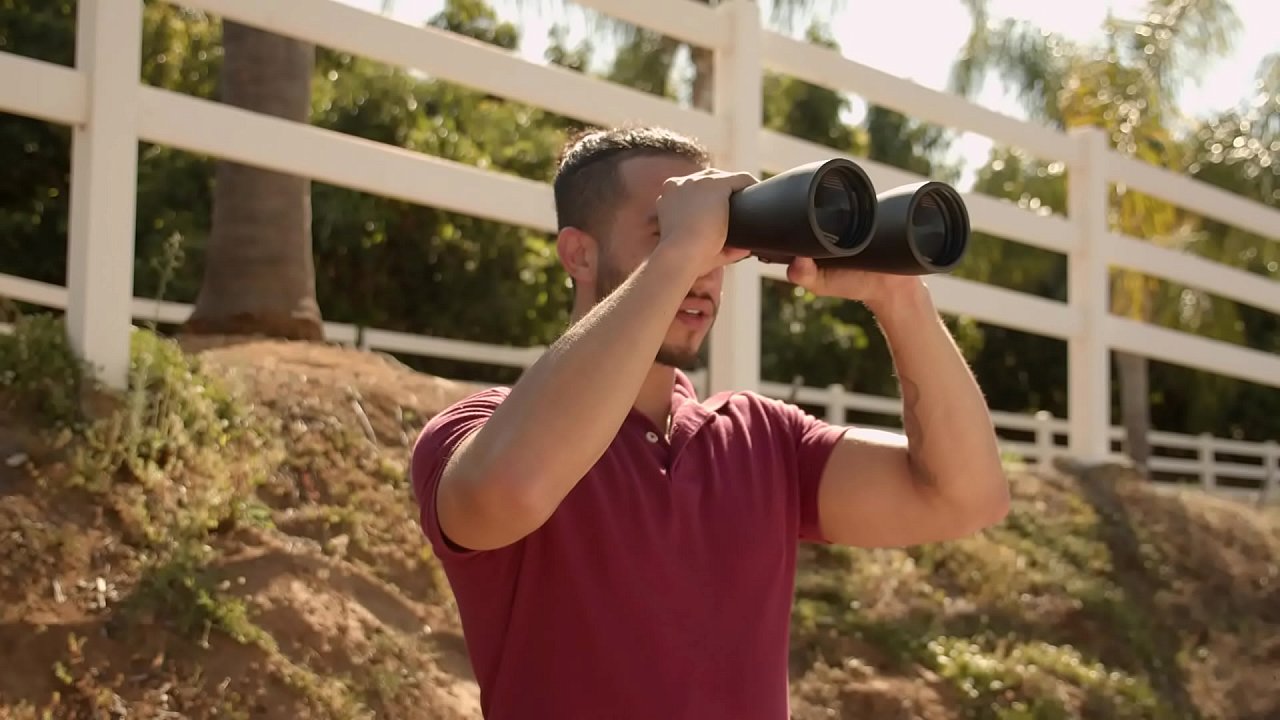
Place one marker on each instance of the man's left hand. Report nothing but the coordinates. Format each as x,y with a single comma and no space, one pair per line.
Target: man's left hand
875,290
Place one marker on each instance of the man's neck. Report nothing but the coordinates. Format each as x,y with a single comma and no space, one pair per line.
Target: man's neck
654,400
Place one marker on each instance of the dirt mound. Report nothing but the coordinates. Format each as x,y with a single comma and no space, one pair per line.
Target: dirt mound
248,548
1098,597
313,597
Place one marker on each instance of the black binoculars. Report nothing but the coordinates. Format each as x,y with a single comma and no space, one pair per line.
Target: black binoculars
830,211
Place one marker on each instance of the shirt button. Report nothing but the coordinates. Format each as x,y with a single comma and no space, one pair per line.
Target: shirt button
651,436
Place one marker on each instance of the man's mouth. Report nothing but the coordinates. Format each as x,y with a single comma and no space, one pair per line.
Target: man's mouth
697,307
696,312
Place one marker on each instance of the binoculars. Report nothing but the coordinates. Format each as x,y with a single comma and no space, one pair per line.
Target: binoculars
830,211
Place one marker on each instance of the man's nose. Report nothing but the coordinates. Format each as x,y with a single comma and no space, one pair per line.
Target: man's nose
714,277
708,285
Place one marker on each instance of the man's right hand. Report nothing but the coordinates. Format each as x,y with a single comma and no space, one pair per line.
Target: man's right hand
693,217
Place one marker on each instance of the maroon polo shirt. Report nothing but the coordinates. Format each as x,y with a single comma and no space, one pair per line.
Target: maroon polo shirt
661,588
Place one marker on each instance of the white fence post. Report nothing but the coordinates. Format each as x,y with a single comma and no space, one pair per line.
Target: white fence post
835,404
1046,448
738,84
1271,472
1088,357
104,180
1207,458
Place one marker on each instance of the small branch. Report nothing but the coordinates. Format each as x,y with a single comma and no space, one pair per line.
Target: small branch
362,416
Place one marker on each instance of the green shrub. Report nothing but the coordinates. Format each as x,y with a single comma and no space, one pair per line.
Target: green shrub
40,374
1040,681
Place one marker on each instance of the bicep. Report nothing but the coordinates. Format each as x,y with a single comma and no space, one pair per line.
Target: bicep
457,513
868,495
458,527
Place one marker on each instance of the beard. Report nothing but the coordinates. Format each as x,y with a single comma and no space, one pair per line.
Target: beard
687,360
608,278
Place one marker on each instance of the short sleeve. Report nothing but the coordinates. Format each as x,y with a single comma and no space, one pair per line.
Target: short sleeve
814,439
435,445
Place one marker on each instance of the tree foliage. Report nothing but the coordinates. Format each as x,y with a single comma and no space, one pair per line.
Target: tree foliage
1126,84
393,264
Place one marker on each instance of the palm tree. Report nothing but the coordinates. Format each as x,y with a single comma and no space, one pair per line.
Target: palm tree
662,50
259,276
1126,84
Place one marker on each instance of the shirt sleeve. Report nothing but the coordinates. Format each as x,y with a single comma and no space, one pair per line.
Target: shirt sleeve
814,439
435,445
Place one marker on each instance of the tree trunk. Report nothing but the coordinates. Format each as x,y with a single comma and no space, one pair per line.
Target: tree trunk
259,275
1135,408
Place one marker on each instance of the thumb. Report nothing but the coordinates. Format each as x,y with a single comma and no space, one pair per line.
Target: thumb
803,271
730,255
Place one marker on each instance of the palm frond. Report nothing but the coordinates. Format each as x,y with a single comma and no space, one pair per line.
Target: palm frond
970,67
1175,39
1268,76
786,15
1027,59
782,15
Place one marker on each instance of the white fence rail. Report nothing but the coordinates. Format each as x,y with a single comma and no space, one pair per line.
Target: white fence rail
1257,482
103,100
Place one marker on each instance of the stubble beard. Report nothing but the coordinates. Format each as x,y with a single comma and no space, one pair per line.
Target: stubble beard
687,359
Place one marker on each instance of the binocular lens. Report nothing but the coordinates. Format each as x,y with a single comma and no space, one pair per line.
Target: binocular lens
936,225
837,210
830,211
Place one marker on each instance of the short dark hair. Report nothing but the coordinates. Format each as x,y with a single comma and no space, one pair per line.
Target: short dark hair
587,184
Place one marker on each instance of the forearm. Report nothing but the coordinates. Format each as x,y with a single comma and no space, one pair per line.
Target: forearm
951,443
567,407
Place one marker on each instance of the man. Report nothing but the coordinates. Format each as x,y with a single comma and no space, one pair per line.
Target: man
620,549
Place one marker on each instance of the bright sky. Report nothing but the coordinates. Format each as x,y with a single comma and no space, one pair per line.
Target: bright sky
890,36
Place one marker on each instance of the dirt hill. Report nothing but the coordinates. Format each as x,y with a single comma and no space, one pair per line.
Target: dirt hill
235,538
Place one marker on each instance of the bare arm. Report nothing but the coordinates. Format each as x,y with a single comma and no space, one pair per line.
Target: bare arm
944,479
506,479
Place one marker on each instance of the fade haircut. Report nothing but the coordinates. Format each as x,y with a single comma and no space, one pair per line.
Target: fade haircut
588,185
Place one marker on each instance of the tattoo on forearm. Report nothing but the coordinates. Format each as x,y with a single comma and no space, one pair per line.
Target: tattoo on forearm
915,431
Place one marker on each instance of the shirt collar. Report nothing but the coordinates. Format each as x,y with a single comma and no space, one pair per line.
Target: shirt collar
682,389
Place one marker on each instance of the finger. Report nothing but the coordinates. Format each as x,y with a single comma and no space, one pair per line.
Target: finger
729,256
803,271
738,181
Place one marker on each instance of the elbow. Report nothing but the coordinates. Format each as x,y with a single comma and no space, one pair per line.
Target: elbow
997,507
983,502
493,509
990,504
501,495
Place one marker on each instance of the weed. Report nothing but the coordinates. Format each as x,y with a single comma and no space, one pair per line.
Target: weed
1039,680
176,422
40,375
329,695
181,591
385,671
970,610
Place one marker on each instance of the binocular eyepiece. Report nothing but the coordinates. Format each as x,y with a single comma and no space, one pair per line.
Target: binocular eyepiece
830,211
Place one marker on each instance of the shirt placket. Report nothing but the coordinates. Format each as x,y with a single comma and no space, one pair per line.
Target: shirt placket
659,448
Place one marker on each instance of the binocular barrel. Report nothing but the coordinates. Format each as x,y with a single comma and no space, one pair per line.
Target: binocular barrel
830,211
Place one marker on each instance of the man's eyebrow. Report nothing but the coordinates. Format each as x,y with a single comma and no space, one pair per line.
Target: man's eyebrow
651,218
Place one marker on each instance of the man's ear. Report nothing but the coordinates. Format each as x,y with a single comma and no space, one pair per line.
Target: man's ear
579,253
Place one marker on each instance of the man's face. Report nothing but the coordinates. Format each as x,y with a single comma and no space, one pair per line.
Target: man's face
632,238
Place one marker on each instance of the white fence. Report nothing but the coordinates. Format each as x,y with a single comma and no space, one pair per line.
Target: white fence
111,111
